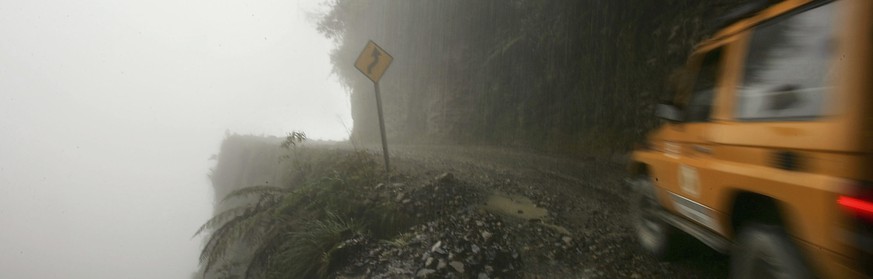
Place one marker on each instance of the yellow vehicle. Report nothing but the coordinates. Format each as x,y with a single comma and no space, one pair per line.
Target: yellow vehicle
767,151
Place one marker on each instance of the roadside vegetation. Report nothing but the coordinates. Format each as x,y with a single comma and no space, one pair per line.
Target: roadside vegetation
306,225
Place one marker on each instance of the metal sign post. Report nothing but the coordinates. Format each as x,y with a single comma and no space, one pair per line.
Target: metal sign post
382,127
373,62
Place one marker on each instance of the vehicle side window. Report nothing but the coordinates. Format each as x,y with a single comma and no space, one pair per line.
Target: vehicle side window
788,67
700,106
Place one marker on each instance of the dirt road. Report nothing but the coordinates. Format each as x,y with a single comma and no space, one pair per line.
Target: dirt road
585,202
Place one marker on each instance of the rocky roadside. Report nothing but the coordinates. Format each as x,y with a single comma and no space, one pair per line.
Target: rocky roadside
470,234
496,220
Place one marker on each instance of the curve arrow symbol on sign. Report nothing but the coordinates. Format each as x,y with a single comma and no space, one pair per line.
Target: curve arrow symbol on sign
375,55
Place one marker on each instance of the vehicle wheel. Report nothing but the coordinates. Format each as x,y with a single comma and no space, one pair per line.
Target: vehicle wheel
765,251
654,234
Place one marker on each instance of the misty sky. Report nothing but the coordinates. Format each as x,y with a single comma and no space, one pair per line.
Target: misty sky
109,111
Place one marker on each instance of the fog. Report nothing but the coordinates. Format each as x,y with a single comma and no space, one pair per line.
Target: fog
110,110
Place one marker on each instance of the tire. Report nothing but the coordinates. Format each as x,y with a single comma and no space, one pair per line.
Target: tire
766,251
654,234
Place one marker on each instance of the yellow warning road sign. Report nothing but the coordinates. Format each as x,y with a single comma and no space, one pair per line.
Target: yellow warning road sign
373,61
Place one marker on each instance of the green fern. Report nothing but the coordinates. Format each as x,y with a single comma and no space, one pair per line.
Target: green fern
251,222
305,231
316,248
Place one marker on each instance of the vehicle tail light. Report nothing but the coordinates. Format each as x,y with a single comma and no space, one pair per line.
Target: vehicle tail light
858,233
861,208
860,200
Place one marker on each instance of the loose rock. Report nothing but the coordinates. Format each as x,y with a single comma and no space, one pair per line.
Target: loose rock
458,266
446,177
424,272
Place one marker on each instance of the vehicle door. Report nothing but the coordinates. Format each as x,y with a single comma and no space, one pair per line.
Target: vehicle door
689,141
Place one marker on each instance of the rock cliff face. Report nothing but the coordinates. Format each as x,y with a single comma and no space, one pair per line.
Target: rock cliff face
246,161
566,76
243,161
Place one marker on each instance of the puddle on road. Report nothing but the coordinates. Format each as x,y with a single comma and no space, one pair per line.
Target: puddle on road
514,205
520,207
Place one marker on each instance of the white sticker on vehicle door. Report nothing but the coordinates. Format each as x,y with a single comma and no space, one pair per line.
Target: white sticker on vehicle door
689,181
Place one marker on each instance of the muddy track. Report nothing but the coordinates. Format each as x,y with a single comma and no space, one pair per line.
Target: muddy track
586,196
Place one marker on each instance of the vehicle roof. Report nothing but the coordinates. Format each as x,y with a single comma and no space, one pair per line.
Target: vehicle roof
751,21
